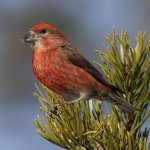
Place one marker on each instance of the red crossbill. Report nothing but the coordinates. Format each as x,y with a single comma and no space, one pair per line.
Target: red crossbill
61,67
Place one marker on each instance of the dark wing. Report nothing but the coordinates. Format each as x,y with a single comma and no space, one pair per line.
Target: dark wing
74,56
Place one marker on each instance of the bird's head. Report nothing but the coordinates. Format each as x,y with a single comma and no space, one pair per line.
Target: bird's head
45,36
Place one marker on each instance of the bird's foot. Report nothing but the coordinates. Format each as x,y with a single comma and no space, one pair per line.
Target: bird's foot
55,110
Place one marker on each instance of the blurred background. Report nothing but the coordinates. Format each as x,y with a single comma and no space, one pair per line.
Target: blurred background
85,22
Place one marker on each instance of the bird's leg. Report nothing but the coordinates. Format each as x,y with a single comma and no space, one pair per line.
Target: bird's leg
55,109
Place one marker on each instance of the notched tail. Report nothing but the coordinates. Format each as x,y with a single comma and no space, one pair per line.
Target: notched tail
127,107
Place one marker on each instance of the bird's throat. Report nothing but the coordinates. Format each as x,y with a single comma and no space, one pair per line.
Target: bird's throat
48,44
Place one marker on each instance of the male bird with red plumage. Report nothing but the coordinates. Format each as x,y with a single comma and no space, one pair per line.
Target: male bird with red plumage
60,67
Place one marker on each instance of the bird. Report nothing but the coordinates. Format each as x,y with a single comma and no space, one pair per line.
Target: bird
61,67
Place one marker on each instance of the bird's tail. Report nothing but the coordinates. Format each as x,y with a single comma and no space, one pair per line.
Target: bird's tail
116,100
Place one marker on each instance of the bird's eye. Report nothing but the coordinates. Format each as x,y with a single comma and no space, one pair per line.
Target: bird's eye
43,31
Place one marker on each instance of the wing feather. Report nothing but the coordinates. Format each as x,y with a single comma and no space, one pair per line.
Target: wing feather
75,57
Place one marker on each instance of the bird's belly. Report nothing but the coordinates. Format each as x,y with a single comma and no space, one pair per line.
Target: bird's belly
64,78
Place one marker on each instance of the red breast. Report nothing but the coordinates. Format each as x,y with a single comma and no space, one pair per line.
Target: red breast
54,71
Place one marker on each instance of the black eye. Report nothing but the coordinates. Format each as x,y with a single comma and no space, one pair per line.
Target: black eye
43,31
